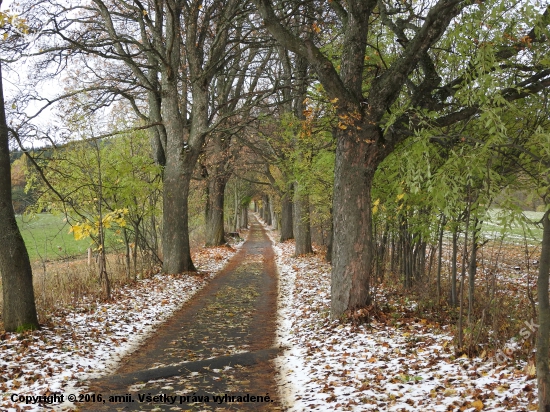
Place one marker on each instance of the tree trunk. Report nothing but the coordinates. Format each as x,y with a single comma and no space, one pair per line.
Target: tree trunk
175,234
328,256
286,217
472,269
302,226
454,299
355,165
440,257
244,217
266,214
127,254
543,336
19,311
214,211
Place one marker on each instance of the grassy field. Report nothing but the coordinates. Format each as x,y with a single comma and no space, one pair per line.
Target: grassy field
514,232
47,237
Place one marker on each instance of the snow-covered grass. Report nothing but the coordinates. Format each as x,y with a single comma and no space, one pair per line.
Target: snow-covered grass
88,340
402,364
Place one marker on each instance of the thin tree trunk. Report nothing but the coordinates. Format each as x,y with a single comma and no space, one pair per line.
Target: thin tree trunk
103,275
454,299
237,211
302,226
472,269
440,257
463,278
19,310
127,254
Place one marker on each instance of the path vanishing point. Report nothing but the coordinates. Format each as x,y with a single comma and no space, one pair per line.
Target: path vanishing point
219,344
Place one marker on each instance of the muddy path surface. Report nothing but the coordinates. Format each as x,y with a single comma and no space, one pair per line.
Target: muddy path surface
213,354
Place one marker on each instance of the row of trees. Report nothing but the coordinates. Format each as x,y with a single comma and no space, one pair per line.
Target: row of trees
427,110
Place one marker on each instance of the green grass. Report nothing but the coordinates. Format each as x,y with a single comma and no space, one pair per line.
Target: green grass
47,237
515,232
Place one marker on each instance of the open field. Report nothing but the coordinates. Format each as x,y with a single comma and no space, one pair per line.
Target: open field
513,232
47,238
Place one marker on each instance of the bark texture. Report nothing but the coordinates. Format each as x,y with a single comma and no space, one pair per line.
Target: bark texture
214,211
543,337
302,225
19,310
352,254
286,217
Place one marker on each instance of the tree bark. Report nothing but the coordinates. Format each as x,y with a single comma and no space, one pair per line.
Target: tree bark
440,256
175,234
244,217
19,310
214,211
328,255
266,214
302,225
543,336
286,216
472,269
355,165
454,299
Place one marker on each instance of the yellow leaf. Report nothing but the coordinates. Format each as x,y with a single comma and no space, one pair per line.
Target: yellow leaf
342,126
334,101
449,392
375,206
478,405
401,196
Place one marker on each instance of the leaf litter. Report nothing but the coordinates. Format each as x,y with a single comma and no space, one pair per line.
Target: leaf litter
400,364
88,340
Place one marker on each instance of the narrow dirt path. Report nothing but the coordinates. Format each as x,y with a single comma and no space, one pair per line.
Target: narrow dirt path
215,353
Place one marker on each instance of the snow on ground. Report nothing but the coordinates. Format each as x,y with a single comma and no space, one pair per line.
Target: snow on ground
402,364
89,340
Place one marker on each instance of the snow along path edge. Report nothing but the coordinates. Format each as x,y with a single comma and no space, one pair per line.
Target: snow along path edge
401,364
89,340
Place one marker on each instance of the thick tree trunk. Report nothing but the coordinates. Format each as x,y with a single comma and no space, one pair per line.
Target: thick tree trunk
286,217
302,225
175,234
214,211
352,263
543,336
19,311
